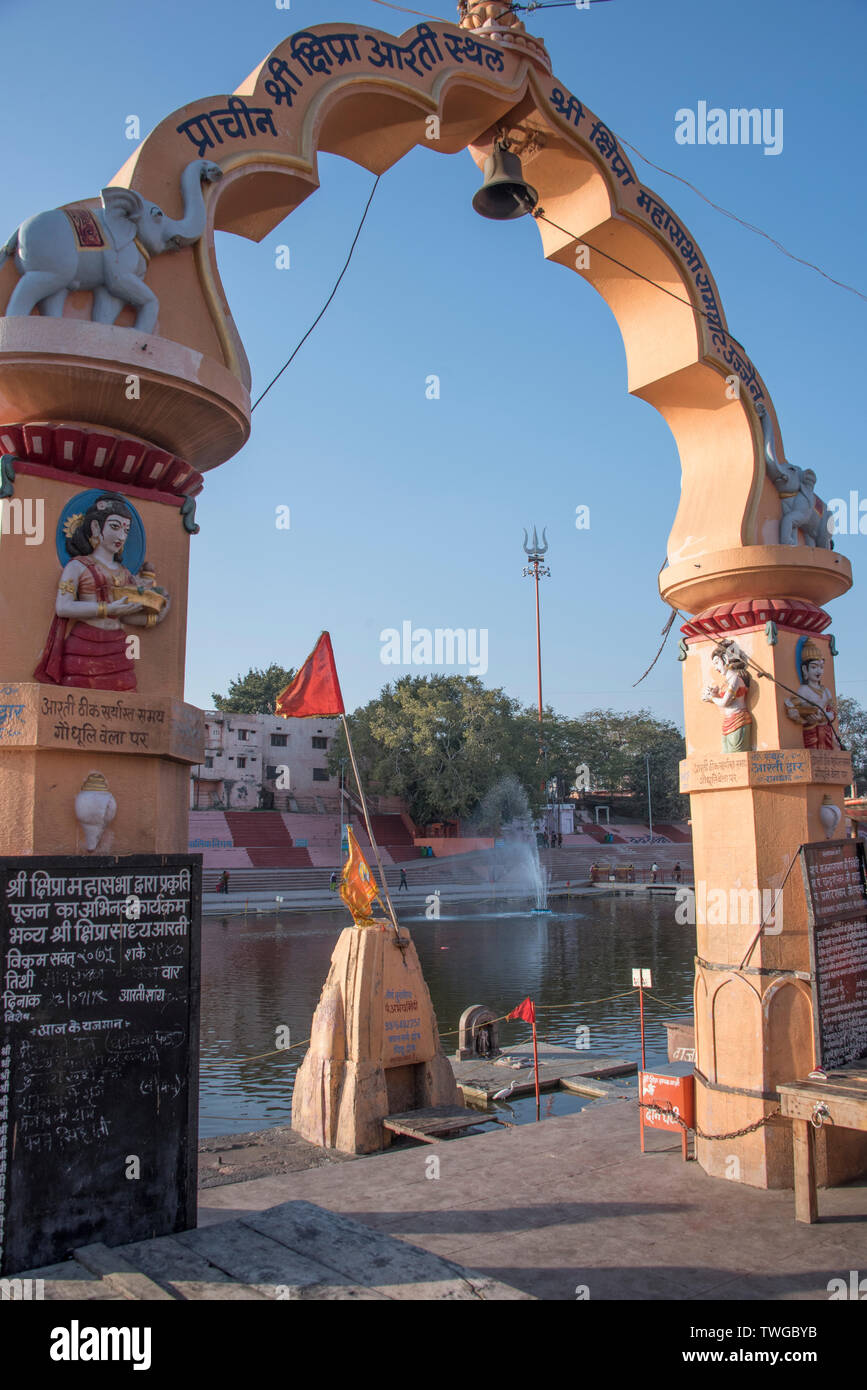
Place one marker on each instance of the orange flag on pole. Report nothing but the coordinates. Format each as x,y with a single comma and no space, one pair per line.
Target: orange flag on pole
526,1011
357,888
315,691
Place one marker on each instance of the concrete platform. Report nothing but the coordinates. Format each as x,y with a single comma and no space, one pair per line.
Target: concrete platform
556,1210
480,1078
550,1207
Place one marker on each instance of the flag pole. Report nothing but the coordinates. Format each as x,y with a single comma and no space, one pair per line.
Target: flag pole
369,827
536,1064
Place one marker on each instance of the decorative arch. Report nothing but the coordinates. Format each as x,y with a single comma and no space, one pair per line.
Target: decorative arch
788,1008
736,1030
704,1053
368,96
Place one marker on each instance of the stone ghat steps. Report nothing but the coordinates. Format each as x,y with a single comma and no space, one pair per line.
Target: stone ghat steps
561,861
422,873
294,1251
468,870
319,829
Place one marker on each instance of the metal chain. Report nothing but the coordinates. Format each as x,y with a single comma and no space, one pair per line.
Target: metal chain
699,1133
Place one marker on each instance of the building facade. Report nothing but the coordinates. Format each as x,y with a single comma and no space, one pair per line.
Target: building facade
255,761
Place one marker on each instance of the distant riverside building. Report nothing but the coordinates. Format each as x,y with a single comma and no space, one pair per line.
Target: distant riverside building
255,761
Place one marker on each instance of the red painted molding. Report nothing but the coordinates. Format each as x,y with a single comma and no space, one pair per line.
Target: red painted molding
60,475
795,614
64,450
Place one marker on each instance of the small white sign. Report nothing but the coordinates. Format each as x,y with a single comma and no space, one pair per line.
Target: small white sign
642,979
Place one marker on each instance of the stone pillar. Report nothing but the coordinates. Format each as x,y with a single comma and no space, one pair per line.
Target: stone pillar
751,811
374,1049
90,410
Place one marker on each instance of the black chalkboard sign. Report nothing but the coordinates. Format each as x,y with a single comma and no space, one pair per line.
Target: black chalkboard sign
98,1051
834,878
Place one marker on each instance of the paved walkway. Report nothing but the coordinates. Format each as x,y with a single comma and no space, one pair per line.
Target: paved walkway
548,1208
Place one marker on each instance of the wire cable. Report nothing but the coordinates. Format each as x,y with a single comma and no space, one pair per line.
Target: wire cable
322,311
749,225
541,216
437,18
665,633
507,9
535,5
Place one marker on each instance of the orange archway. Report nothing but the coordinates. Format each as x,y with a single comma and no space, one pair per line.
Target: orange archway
371,97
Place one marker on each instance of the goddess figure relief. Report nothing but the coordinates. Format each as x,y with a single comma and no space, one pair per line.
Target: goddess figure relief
731,697
87,645
813,707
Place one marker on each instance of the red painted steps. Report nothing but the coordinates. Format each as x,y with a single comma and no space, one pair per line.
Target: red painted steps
599,832
264,836
390,830
674,832
282,858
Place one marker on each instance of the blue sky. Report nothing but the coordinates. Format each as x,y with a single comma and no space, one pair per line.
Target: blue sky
404,508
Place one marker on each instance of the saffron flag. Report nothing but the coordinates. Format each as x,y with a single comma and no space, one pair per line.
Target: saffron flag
315,691
525,1011
357,888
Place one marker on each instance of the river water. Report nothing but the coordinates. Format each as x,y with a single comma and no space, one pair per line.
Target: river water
261,974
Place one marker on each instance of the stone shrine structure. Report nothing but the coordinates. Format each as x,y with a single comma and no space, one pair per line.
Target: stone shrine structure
374,1046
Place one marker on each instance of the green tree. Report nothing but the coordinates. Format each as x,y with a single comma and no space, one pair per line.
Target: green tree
504,802
613,748
852,723
256,692
441,742
453,749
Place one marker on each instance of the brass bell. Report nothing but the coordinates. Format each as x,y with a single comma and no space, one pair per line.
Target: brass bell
504,193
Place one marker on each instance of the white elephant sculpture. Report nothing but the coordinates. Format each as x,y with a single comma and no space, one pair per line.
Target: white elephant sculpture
82,249
802,510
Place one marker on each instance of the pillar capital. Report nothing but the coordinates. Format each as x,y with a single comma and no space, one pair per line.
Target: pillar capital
750,571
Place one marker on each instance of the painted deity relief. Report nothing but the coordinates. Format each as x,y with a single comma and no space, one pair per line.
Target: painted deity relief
813,707
97,594
731,695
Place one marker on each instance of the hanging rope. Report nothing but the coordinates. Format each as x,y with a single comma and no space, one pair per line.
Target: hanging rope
665,631
752,944
322,311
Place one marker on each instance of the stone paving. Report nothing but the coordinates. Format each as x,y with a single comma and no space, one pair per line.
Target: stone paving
547,1208
563,1209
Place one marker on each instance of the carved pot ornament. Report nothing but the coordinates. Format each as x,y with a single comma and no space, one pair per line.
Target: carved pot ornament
95,809
830,815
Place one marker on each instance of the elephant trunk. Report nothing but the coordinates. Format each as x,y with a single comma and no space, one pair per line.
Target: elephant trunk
8,250
190,227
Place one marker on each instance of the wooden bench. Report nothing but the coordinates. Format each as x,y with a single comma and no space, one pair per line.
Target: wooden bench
840,1100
